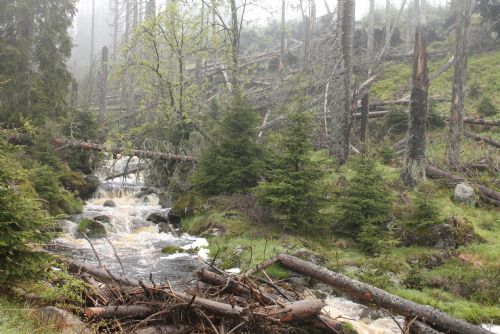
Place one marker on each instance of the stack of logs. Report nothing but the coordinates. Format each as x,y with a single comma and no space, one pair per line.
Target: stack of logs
222,303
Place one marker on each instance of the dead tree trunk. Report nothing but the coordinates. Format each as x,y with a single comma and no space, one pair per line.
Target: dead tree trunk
103,85
455,125
414,169
370,53
370,295
151,9
483,139
115,29
235,37
341,116
74,94
282,44
61,142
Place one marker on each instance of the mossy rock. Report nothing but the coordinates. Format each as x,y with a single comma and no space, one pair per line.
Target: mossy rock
83,185
103,219
91,228
171,249
463,231
186,206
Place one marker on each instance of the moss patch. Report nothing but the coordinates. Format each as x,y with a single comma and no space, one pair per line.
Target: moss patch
170,249
92,228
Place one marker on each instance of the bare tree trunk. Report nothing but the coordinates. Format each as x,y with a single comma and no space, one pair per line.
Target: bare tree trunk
199,59
414,165
151,9
74,94
387,22
341,117
103,89
370,55
455,125
115,27
234,45
92,30
282,45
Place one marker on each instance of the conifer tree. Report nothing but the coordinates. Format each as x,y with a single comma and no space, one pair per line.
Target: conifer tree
363,210
234,162
291,185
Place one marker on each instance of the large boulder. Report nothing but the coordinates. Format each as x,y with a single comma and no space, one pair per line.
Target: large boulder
465,194
109,203
65,322
91,228
435,235
165,200
158,217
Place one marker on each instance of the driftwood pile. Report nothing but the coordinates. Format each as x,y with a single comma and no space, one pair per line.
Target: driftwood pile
222,303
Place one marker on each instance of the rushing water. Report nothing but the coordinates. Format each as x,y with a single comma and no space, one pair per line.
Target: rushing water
137,242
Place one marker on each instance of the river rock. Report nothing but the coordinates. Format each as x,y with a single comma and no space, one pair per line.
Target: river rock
103,219
158,217
65,322
465,194
145,192
91,228
165,200
109,203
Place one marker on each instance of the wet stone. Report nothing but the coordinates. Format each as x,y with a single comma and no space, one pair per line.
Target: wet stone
109,203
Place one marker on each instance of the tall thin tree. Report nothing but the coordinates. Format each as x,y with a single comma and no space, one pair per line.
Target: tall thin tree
455,125
370,56
414,164
342,115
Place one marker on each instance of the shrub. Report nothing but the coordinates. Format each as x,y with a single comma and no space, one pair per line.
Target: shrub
235,161
474,89
486,107
395,121
386,154
364,208
290,188
424,210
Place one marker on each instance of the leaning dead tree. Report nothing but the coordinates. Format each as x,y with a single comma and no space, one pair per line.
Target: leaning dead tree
455,124
414,163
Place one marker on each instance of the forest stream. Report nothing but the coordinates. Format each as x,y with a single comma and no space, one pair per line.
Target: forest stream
138,243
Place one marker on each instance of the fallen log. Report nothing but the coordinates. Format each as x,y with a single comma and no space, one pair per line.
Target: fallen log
137,169
120,311
214,306
417,327
165,330
300,310
482,139
371,295
231,285
103,275
479,121
487,194
63,143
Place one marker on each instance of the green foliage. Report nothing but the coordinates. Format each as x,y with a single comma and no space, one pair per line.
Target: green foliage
474,89
414,279
35,46
235,161
170,249
486,107
395,121
424,210
23,222
364,207
290,188
386,153
55,198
